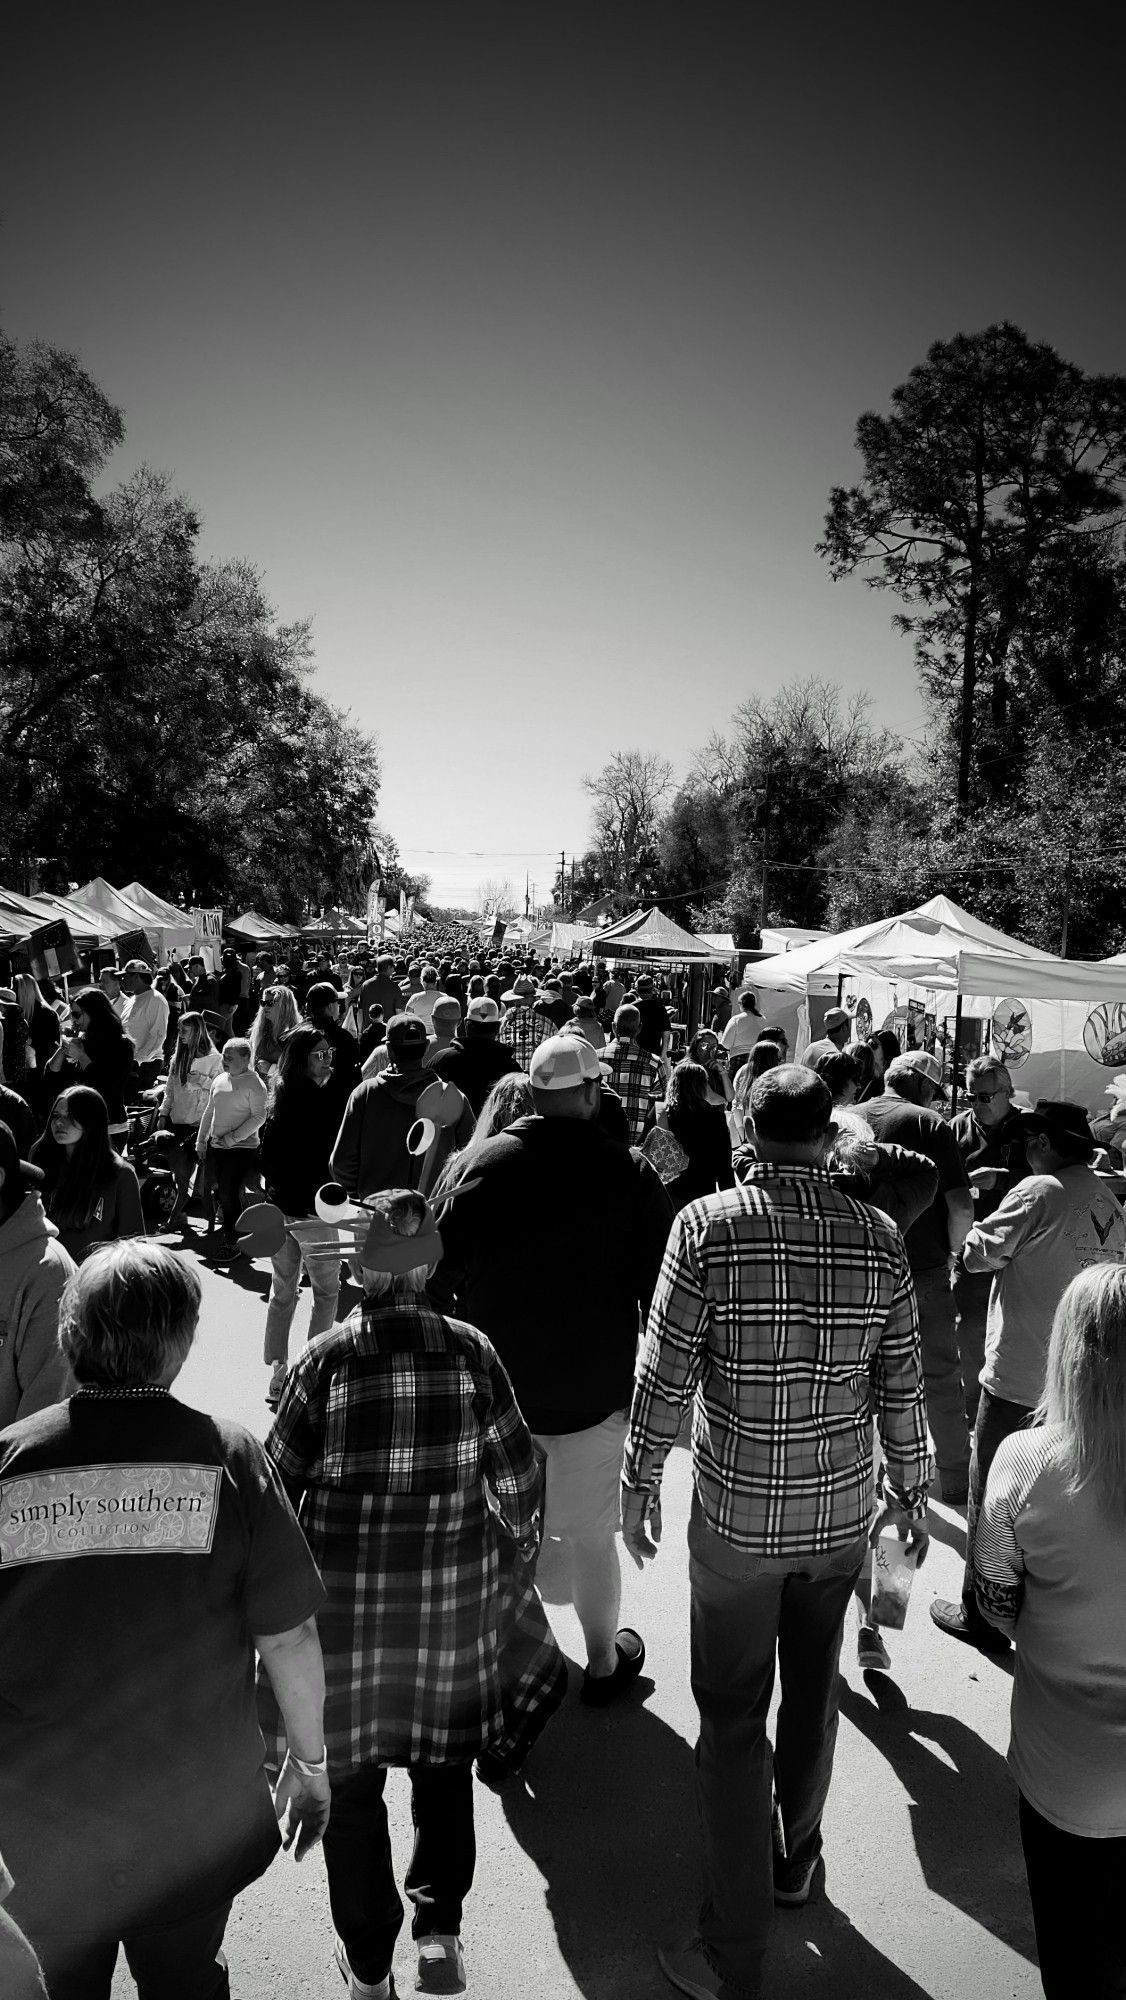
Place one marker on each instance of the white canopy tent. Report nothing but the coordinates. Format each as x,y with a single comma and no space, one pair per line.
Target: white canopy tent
1060,1023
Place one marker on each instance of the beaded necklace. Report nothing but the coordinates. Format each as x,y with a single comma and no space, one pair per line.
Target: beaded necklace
97,1393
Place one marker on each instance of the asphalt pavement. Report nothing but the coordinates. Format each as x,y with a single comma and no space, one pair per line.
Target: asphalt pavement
592,1857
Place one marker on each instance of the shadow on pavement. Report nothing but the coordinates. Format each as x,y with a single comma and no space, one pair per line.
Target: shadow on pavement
951,1533
606,1810
963,1808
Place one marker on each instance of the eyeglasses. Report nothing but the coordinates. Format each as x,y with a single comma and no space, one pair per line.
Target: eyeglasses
985,1096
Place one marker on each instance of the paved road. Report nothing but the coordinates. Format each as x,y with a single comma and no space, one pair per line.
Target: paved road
593,1859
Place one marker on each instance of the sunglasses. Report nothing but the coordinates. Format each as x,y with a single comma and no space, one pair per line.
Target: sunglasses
984,1096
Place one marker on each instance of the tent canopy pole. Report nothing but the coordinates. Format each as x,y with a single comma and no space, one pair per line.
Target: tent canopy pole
954,1067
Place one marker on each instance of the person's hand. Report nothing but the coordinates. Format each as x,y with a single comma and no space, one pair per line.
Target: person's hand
916,1534
302,1805
639,1510
985,1177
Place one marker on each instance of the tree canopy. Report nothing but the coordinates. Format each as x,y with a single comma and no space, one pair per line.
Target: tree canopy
155,717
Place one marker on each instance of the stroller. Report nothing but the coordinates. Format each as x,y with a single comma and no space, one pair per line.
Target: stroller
150,1150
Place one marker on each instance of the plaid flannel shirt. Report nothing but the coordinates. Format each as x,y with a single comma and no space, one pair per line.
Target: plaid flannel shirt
523,1030
637,1077
401,1401
396,1433
785,1313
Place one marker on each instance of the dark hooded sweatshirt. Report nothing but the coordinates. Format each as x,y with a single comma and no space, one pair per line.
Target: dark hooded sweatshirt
371,1150
553,1251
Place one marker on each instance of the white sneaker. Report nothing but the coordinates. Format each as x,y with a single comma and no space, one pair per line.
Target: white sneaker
357,1990
441,1967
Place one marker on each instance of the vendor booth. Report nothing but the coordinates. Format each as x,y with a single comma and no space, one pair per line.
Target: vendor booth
177,931
258,932
944,979
690,963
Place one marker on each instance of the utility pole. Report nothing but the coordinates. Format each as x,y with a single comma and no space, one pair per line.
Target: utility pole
765,854
562,880
572,885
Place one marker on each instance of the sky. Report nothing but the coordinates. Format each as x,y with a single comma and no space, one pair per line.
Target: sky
519,346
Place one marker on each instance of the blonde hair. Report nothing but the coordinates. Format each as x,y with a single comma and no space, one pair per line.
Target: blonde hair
28,994
276,1018
509,1099
1085,1389
128,1313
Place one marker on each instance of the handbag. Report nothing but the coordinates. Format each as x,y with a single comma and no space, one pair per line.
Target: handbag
665,1154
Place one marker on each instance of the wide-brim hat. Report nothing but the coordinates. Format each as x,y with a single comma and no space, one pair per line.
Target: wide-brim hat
1066,1125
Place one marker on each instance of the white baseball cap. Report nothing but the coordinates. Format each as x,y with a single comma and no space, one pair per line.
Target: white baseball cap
563,1062
483,1010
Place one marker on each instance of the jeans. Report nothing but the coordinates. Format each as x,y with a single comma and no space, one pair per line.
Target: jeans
228,1167
324,1276
366,1907
971,1298
996,1420
942,1375
1076,1889
746,1610
181,1962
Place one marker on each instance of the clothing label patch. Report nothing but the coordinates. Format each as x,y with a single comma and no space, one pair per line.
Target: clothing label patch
108,1510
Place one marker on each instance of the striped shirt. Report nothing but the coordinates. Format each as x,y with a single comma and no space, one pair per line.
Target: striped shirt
785,1314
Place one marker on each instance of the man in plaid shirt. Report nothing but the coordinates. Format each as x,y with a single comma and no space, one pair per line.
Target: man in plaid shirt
636,1075
785,1314
524,1026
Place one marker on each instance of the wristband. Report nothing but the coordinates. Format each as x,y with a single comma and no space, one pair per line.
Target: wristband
308,1770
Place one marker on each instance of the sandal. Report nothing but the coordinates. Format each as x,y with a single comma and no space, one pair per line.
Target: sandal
601,1692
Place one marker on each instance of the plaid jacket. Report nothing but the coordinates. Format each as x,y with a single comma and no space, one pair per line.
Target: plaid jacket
523,1030
785,1313
637,1077
390,1428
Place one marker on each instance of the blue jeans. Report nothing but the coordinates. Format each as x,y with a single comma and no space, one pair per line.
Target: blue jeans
942,1375
747,1612
996,1420
324,1276
365,1903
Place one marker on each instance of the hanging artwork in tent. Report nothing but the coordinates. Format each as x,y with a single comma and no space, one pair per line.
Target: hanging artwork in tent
1010,1036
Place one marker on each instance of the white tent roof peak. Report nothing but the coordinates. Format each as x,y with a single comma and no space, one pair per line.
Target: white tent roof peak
936,929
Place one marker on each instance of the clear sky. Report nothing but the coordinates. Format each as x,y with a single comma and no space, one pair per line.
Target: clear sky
520,345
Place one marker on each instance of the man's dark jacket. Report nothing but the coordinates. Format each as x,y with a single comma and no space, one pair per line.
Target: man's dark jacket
553,1253
371,1152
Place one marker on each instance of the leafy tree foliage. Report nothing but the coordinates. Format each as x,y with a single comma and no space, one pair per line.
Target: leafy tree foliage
998,468
155,718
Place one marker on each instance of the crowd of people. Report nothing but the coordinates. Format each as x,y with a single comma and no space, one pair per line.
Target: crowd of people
861,1301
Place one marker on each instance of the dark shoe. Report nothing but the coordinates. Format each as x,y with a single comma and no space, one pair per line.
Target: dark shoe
441,1967
872,1656
792,1882
688,1969
600,1693
951,1619
491,1772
